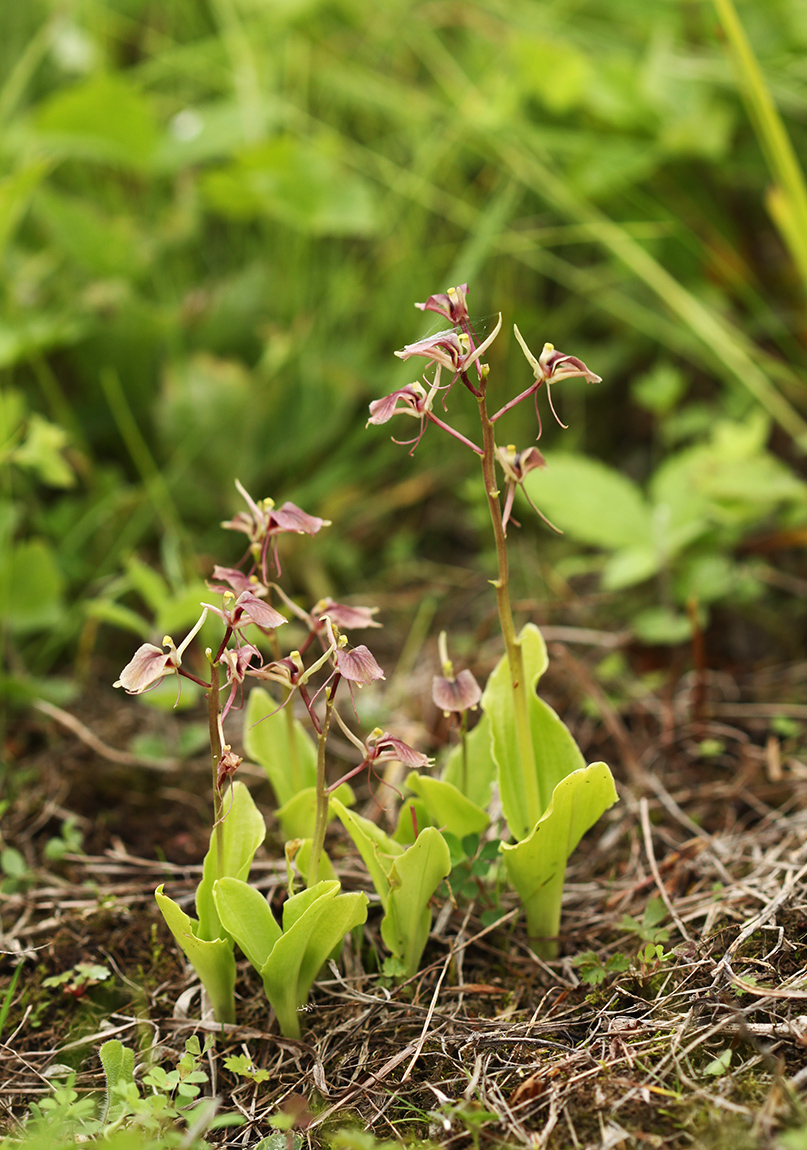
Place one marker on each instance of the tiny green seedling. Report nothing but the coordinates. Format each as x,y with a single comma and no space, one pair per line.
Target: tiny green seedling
243,1066
592,970
80,978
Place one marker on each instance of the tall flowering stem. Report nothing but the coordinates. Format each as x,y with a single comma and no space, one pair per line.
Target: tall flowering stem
502,587
213,712
321,824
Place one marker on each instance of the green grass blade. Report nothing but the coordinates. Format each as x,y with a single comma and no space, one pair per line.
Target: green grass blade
788,205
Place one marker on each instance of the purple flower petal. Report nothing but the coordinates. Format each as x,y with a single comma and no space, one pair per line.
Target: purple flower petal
444,348
235,580
148,665
290,517
387,748
358,665
344,617
382,410
557,366
457,694
258,611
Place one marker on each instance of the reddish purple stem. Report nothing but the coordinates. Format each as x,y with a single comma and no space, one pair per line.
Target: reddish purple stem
456,434
514,402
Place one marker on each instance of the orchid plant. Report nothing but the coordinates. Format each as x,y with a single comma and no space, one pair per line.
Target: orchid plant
549,796
288,955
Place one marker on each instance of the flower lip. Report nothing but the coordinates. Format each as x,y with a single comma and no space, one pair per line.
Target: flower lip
552,365
413,399
444,347
358,666
456,693
382,747
290,517
146,667
558,366
345,617
259,612
264,519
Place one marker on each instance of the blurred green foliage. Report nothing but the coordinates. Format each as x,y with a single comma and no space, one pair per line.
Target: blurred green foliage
214,219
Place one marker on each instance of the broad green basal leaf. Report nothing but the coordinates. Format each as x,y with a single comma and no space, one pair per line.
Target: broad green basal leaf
212,959
243,829
245,915
314,923
448,808
556,753
298,816
378,850
537,866
413,879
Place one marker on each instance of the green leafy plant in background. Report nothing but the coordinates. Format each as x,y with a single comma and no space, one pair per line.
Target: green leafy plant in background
701,504
164,1111
549,797
142,250
32,583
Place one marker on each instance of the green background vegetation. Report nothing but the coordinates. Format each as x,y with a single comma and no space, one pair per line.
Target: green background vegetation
215,217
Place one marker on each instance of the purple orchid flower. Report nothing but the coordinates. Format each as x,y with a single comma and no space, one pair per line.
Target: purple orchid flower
382,747
449,349
412,399
358,666
345,617
450,304
264,522
246,609
452,692
551,367
516,465
237,662
150,664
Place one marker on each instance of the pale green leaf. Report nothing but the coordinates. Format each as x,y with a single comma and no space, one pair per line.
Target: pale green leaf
661,626
245,914
555,752
298,816
317,922
591,502
414,877
243,829
448,808
629,566
537,866
212,959
31,587
41,452
376,848
103,118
